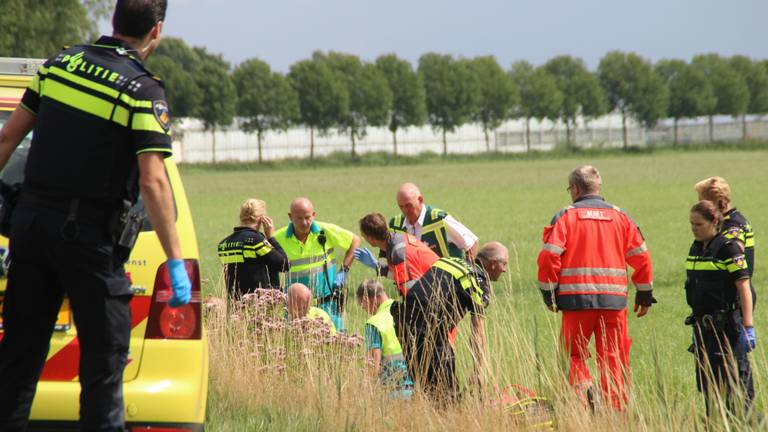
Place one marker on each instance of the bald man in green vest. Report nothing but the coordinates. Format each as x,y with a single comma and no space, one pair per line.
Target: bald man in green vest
445,235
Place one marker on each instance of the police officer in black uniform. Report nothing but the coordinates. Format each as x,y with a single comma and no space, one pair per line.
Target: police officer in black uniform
735,224
101,129
435,304
718,290
252,259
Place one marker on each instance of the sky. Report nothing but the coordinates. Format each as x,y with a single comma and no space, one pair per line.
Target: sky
282,32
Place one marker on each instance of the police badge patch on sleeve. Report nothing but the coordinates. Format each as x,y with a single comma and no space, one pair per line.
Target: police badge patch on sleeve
733,232
740,262
162,114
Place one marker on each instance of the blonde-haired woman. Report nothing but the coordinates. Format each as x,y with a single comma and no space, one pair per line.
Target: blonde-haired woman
252,258
735,225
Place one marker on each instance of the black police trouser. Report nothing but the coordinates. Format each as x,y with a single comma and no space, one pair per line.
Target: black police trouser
45,266
432,365
722,365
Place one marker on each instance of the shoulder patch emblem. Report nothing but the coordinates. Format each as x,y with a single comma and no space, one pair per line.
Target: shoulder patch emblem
740,262
162,114
733,232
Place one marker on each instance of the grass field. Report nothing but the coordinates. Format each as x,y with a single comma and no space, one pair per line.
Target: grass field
506,200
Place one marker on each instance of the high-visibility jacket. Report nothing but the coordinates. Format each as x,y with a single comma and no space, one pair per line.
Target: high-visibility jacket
711,273
433,232
308,259
583,264
317,313
737,227
393,367
407,259
251,261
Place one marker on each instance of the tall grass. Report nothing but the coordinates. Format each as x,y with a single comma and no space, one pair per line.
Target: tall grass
275,377
510,201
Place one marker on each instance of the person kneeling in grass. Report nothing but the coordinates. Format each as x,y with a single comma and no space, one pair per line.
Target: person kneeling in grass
383,350
300,306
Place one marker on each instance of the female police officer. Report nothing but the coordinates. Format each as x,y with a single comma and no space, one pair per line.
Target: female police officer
252,259
718,290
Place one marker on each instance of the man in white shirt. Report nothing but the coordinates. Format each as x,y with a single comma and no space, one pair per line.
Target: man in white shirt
435,227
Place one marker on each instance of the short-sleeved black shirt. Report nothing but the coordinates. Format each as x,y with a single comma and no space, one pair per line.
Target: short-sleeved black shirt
438,301
711,274
97,108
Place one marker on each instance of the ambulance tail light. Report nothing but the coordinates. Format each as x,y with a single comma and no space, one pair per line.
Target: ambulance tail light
166,322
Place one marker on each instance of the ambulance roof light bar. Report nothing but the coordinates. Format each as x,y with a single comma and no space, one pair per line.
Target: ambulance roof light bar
19,66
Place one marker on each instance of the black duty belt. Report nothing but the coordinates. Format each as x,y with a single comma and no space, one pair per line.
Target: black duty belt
721,320
85,206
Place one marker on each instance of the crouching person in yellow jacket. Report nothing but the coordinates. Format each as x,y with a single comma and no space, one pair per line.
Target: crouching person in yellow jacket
383,350
300,306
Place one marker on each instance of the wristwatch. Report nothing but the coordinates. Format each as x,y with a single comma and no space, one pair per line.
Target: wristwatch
345,268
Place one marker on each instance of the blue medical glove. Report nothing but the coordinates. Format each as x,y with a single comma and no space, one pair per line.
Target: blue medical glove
182,287
341,277
366,257
751,336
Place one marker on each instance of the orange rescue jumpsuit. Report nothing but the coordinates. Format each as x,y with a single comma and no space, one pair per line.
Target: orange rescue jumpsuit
583,270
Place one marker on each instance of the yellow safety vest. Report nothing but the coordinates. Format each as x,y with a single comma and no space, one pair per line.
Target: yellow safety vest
307,259
433,232
315,313
393,368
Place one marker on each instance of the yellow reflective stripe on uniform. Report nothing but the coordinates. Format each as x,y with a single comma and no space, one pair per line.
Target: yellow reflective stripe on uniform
85,102
704,265
305,273
69,76
161,150
313,259
438,228
34,85
101,88
260,249
731,266
147,122
235,259
134,102
231,257
465,278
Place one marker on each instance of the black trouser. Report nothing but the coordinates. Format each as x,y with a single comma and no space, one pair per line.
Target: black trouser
44,267
722,365
430,357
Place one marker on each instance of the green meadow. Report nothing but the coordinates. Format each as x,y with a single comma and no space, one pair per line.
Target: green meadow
509,200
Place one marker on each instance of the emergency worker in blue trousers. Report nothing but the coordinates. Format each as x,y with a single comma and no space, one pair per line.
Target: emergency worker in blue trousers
312,247
101,133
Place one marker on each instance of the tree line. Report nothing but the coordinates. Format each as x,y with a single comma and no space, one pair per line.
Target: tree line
337,91
333,90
